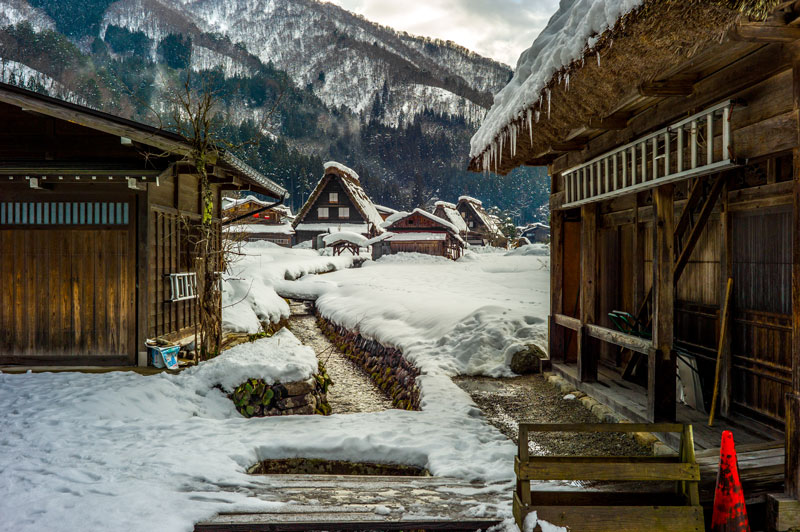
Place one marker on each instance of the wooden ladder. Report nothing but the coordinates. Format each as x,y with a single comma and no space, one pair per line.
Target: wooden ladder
600,510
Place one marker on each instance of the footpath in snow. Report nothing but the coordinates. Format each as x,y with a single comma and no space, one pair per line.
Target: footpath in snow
123,451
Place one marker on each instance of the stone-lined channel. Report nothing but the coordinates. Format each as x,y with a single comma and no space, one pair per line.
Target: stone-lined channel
352,391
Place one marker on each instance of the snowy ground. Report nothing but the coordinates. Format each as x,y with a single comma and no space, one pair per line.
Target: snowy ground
123,451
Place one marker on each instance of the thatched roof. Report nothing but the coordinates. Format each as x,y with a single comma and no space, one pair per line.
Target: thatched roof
642,43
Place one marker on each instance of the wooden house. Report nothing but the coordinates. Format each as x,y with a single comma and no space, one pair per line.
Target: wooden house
97,217
418,232
250,219
536,232
338,203
447,211
384,211
482,230
675,167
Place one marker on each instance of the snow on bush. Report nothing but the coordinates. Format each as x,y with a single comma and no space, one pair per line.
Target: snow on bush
281,358
248,290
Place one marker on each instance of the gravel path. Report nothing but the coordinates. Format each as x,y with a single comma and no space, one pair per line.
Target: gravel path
352,389
506,402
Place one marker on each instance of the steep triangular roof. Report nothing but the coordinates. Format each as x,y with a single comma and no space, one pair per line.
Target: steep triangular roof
477,208
451,214
352,187
402,215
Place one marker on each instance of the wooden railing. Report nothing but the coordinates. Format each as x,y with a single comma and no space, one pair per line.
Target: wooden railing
618,338
655,159
605,510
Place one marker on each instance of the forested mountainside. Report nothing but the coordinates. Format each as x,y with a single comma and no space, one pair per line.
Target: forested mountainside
399,109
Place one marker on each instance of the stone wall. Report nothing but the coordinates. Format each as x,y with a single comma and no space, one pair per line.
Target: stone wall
256,398
386,366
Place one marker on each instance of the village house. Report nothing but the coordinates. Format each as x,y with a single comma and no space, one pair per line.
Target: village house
447,211
536,232
418,232
482,229
338,203
250,219
98,218
675,174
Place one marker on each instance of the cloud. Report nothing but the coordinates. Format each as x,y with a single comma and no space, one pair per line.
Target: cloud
500,29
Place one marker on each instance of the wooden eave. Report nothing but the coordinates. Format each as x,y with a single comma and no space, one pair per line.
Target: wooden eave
673,84
138,133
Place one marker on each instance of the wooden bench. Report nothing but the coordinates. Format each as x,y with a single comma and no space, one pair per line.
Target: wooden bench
603,509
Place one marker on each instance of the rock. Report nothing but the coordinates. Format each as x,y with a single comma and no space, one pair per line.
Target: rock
569,397
528,360
296,401
299,387
305,410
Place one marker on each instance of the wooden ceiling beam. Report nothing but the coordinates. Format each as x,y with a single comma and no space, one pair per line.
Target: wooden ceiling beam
757,32
668,87
615,121
576,144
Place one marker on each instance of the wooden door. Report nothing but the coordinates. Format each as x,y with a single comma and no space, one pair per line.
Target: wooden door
67,271
761,325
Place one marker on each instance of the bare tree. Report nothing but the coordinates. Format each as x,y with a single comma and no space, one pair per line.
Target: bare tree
196,116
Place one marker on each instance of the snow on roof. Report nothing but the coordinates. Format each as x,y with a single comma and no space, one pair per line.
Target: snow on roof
470,199
534,225
383,208
346,236
352,186
416,237
229,203
380,238
452,215
405,214
281,229
570,31
341,168
332,227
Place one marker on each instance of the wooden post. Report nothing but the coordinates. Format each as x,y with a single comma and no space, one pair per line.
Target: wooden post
661,365
142,206
725,273
557,345
784,509
587,346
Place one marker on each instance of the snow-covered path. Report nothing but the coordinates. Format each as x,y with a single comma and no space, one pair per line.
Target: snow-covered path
123,451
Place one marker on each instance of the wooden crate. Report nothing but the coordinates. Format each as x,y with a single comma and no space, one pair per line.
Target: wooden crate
606,510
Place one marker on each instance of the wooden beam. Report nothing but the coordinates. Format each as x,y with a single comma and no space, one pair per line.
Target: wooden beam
758,32
697,229
667,87
567,321
618,338
570,145
662,364
557,340
144,239
792,427
587,346
618,121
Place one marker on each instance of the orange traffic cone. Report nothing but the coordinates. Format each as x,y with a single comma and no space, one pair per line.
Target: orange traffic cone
730,514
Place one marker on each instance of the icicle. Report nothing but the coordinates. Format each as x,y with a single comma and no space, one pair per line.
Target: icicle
548,104
530,124
598,57
567,84
514,141
501,147
537,117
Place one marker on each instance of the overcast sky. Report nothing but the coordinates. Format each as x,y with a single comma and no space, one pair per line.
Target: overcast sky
500,29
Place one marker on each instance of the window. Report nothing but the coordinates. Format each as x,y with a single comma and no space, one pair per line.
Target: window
322,212
333,197
471,223
344,212
182,286
64,213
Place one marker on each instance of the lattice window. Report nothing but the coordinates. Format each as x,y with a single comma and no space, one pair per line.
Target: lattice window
62,213
344,212
323,212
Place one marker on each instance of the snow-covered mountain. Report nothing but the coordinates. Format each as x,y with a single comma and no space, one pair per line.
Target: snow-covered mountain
345,58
